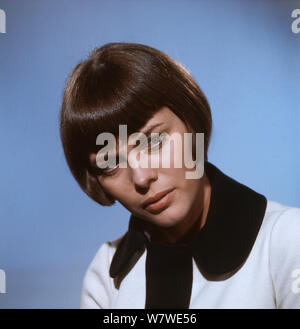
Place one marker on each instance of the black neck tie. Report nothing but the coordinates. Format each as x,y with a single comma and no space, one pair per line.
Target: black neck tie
169,275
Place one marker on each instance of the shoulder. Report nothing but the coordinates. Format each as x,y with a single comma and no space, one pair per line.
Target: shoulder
105,252
97,287
283,224
282,219
103,256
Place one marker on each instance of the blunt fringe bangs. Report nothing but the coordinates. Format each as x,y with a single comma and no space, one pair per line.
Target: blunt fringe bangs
124,83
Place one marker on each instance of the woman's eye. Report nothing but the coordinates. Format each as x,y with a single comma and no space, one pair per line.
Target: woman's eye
156,141
109,171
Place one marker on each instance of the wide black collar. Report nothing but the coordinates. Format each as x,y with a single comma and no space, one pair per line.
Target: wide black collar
234,218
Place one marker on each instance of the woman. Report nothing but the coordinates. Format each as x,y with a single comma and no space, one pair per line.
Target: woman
207,242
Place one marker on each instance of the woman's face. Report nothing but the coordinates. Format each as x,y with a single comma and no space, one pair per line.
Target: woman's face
133,186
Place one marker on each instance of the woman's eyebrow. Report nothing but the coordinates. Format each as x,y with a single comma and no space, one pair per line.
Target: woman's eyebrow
148,130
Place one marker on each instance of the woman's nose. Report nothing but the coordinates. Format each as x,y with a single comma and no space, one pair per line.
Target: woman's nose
142,178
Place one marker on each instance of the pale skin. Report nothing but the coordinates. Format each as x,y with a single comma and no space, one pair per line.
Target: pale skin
187,212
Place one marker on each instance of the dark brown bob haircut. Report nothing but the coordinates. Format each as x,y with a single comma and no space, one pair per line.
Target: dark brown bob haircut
124,83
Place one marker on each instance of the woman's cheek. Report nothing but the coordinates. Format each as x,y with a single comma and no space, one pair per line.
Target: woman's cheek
171,155
109,185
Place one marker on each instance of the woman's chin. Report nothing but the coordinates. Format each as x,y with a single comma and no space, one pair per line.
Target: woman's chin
166,219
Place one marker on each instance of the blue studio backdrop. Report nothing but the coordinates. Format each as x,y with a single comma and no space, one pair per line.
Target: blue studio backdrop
243,54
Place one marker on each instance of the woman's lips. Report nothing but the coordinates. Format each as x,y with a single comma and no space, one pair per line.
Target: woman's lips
161,204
